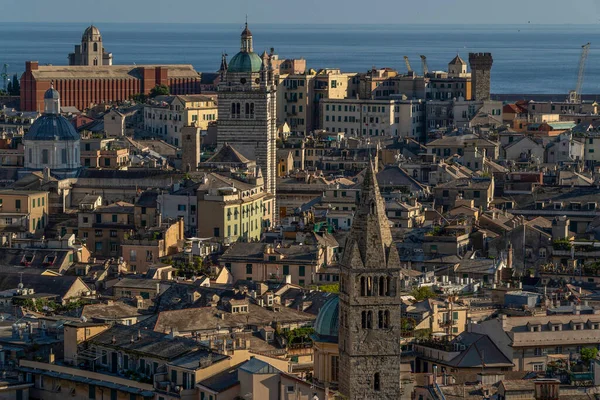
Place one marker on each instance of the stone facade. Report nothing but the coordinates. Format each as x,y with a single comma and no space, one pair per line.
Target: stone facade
481,66
91,51
247,113
369,332
190,148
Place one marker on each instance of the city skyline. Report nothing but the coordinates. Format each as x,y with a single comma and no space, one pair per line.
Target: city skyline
332,12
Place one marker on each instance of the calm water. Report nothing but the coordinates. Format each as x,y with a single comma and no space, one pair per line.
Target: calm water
527,58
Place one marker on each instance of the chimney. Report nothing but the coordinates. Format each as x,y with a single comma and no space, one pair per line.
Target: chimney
509,256
139,335
180,226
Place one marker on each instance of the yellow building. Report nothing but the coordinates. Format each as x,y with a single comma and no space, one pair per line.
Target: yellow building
23,211
147,246
167,115
298,96
231,209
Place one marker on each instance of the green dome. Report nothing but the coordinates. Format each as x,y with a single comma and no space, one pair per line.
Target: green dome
327,323
245,62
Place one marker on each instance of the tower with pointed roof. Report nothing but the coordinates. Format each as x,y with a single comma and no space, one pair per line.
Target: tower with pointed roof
247,107
91,51
369,328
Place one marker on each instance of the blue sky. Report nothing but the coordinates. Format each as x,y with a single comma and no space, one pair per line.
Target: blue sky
305,11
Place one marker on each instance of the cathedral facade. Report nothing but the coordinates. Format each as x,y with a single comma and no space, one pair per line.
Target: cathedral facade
247,108
369,308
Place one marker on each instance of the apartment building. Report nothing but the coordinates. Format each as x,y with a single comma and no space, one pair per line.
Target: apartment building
23,211
146,247
232,209
104,228
103,153
298,96
374,118
167,115
532,341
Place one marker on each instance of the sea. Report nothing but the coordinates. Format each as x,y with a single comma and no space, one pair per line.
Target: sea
530,58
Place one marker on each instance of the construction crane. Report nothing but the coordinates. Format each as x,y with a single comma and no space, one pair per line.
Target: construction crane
4,76
424,62
408,67
575,95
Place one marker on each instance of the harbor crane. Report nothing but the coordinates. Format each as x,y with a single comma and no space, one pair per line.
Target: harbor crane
408,67
4,76
424,62
575,95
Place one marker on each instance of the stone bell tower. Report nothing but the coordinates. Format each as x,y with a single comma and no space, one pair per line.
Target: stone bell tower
369,327
481,67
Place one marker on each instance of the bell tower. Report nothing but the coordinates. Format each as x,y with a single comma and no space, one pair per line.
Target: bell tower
369,327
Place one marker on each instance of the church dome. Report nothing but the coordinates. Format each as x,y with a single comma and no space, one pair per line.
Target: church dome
245,62
327,322
90,32
51,127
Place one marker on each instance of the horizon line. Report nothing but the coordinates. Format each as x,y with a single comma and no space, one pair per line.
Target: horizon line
12,22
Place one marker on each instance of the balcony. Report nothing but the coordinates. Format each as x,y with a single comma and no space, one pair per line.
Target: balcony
447,323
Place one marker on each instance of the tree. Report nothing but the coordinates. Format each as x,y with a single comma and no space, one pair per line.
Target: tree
138,98
422,293
588,354
14,88
159,90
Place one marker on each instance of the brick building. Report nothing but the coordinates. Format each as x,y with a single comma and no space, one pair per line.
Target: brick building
83,86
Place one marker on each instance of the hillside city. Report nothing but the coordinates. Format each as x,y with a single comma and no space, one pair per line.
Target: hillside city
272,231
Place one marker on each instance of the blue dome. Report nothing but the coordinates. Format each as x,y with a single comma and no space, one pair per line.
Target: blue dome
245,62
51,127
51,94
327,323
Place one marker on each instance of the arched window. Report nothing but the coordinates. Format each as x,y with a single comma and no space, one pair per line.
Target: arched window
372,208
95,46
369,319
247,110
45,156
376,382
30,156
363,286
382,283
364,320
237,109
251,110
232,109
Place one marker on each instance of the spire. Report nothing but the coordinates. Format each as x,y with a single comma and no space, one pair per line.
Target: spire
370,243
223,66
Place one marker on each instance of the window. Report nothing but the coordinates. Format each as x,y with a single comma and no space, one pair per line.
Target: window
445,193
286,269
249,269
181,207
376,382
477,194
538,367
301,270
104,357
290,389
537,351
17,204
92,392
114,218
45,156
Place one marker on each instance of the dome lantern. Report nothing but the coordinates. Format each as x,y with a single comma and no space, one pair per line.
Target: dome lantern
52,101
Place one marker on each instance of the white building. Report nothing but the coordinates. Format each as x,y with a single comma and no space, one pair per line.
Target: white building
374,118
